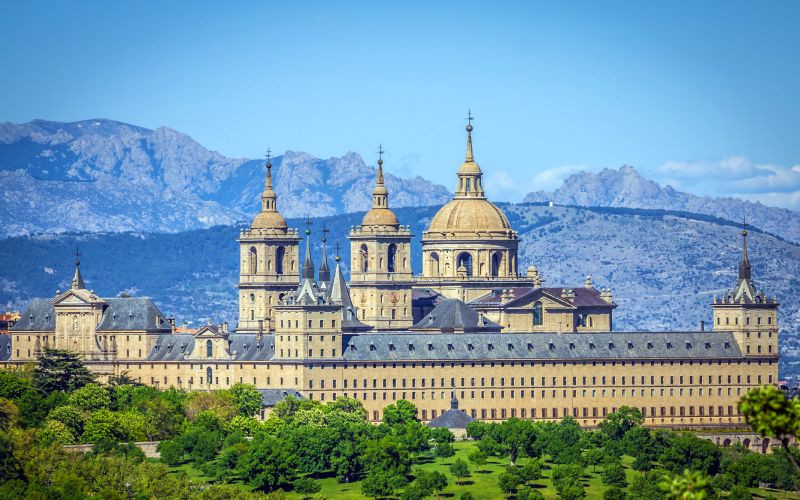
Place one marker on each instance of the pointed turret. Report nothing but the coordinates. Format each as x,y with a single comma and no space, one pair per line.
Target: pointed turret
745,271
77,279
453,400
308,264
470,184
324,270
338,293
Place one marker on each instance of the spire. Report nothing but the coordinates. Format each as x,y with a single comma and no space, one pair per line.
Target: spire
324,270
77,280
745,271
308,265
380,215
269,218
453,400
380,195
469,158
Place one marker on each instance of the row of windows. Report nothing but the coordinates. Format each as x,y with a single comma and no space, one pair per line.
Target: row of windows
554,381
747,320
544,364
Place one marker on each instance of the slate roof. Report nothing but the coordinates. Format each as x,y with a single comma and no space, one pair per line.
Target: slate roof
584,297
451,419
243,347
5,347
454,315
271,397
540,346
122,313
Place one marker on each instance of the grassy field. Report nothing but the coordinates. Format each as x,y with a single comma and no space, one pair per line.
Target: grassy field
482,483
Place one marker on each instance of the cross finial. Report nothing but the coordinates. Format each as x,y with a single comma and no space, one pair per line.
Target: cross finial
77,256
469,117
269,155
308,224
337,251
380,153
325,231
744,223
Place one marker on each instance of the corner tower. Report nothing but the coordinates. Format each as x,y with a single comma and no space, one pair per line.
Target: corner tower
380,268
750,315
469,247
268,260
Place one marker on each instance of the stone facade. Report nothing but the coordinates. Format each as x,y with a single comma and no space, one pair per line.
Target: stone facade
498,340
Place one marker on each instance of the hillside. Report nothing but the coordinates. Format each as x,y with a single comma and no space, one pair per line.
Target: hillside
664,268
627,188
107,176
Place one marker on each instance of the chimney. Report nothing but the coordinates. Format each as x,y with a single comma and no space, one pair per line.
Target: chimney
171,325
260,328
224,327
702,325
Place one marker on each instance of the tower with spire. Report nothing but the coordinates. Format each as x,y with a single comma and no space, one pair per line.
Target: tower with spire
380,268
750,314
268,261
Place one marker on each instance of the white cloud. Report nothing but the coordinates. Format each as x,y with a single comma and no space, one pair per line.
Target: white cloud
502,185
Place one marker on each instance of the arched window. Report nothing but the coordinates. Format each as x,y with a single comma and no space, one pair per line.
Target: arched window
434,264
465,261
391,257
209,375
364,255
496,264
209,350
253,260
537,314
280,253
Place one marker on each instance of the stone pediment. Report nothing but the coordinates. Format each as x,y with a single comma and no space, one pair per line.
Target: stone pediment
210,332
77,298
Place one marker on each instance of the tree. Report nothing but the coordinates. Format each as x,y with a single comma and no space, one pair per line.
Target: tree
567,480
645,487
89,398
459,469
13,384
686,451
641,463
103,425
445,450
442,435
62,371
247,399
767,410
691,485
246,425
69,415
508,481
171,452
380,483
565,442
9,414
528,493
594,457
739,492
400,413
467,496
267,463
513,436
432,481
306,486
55,432
477,429
618,423
614,475
477,458
614,493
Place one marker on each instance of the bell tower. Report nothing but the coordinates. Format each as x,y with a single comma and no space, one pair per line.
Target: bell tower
268,261
750,315
380,267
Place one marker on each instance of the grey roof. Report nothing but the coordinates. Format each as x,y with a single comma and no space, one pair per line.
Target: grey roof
121,313
271,397
39,316
455,315
540,346
243,347
451,419
339,293
584,297
5,347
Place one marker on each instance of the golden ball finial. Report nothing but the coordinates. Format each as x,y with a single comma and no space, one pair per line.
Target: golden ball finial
469,128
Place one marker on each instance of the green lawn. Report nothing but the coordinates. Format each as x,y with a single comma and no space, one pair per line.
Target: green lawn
482,484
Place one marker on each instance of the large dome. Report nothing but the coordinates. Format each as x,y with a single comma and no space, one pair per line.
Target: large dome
380,217
269,220
469,214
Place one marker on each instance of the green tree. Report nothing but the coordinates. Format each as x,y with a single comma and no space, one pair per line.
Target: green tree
739,492
433,481
645,487
767,410
247,399
594,457
477,458
55,432
459,469
59,370
445,450
380,483
267,464
565,442
641,463
13,384
528,493
171,452
246,425
89,398
508,481
618,423
71,416
9,414
442,435
614,475
103,425
691,485
686,451
401,413
514,436
568,481
614,493
477,429
306,486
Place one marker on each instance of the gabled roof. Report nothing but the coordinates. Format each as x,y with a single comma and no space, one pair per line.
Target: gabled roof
271,397
584,297
39,316
451,419
5,347
338,293
243,347
120,314
453,315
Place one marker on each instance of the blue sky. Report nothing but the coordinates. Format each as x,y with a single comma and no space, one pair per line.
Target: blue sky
703,95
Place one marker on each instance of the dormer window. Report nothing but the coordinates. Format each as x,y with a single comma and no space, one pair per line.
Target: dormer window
490,347
552,346
688,345
727,345
649,345
530,346
630,345
669,345
411,347
591,345
156,347
430,347
470,347
708,345
510,347
571,345
391,346
372,347
450,347
352,347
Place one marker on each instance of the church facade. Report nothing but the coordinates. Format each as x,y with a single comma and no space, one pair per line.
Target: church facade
470,325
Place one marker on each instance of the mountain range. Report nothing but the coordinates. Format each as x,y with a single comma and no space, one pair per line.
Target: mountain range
102,175
625,187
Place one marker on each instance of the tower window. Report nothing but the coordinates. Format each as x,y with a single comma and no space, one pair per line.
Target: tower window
280,254
253,260
434,264
496,264
537,314
390,261
364,255
209,350
465,261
